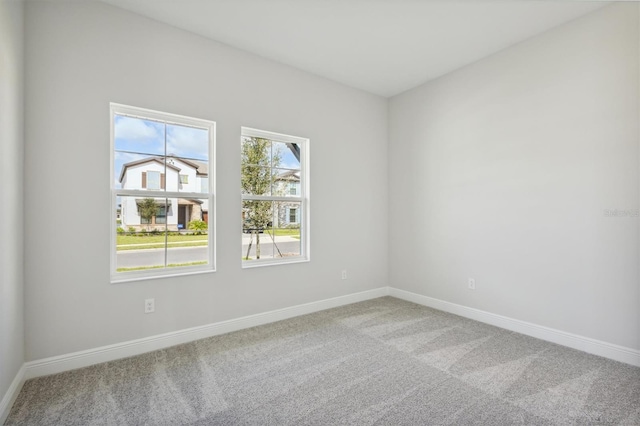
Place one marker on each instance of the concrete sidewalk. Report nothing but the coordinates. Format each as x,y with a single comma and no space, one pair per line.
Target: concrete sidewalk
266,238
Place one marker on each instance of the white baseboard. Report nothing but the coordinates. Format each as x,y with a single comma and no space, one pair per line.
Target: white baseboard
11,395
585,344
94,356
58,364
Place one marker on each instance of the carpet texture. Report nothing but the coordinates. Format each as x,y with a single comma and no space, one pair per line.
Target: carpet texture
380,362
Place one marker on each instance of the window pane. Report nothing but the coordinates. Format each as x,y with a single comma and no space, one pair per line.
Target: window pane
256,151
149,236
138,136
286,229
257,218
161,216
286,155
140,239
187,158
186,175
189,246
286,182
153,180
130,170
256,180
268,231
187,143
204,184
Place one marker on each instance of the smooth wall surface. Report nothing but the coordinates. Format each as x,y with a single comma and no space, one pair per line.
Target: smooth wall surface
11,192
83,55
521,171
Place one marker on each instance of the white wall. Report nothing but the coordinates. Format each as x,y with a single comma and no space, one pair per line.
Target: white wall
83,55
11,189
502,172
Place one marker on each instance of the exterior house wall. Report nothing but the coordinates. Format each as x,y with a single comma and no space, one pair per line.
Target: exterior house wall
133,180
193,209
190,172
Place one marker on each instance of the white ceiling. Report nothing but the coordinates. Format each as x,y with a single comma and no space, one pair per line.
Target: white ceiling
381,46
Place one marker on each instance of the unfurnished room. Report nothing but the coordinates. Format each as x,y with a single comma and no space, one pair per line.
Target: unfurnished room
311,212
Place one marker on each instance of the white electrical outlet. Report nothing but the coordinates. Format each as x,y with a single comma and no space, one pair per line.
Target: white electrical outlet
472,284
149,306
344,275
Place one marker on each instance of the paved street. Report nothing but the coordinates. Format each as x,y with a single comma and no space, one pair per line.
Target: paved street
153,257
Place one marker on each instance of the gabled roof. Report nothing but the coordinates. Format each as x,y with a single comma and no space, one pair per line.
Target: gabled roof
201,168
289,175
143,161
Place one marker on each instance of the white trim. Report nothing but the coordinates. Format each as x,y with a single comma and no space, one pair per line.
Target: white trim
167,118
273,136
89,357
303,198
58,364
11,395
585,344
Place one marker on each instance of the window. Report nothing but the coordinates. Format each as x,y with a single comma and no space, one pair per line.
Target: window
163,226
275,198
152,180
161,216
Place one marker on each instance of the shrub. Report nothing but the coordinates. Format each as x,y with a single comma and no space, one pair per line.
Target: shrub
120,230
198,226
131,230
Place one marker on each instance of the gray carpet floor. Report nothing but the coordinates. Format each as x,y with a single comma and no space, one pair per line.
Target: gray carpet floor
379,362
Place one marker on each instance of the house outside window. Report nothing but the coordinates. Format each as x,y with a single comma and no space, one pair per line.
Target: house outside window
161,185
274,182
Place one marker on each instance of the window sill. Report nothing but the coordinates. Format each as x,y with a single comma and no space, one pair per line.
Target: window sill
132,277
248,264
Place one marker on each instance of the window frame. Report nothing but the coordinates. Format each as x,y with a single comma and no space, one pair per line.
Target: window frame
168,118
303,197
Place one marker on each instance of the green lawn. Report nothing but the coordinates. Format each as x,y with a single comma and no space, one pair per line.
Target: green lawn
134,242
142,242
134,239
291,232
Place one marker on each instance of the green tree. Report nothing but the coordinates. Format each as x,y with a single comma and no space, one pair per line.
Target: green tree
148,208
259,163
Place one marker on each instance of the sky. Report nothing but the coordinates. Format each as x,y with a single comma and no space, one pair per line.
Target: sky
136,138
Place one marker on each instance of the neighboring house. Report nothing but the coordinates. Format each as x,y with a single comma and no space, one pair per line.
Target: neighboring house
288,213
180,175
288,183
